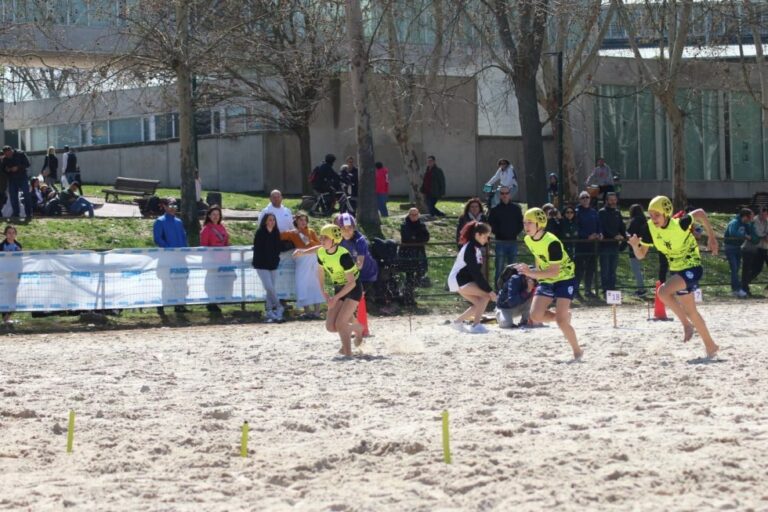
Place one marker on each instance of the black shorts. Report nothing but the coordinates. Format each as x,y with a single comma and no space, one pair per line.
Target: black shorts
355,294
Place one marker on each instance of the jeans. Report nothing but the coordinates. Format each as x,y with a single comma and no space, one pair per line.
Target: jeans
18,184
432,206
81,205
506,253
637,270
609,261
506,316
586,264
268,281
733,255
381,203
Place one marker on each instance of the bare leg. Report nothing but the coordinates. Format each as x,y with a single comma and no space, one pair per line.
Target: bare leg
563,319
668,295
479,300
344,325
688,303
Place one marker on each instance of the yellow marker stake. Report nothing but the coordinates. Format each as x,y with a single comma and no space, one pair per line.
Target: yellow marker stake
244,440
71,431
446,439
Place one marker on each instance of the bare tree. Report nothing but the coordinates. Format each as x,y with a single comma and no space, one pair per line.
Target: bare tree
752,16
288,57
667,24
368,214
579,30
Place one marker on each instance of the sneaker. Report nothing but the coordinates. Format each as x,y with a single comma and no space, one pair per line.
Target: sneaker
458,326
478,329
739,294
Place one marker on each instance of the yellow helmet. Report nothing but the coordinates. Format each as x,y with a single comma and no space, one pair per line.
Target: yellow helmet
661,204
536,215
332,231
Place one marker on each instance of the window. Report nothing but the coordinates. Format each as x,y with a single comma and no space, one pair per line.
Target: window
39,136
236,119
64,135
203,122
123,131
12,138
99,132
164,124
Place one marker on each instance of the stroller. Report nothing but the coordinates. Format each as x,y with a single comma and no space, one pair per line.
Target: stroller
386,289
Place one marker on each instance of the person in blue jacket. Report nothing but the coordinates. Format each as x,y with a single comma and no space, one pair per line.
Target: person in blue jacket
738,231
514,297
168,231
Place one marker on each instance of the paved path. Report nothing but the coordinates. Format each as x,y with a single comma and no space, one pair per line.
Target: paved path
128,210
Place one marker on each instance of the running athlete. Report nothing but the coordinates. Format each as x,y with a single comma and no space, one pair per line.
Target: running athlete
554,271
467,278
338,263
674,239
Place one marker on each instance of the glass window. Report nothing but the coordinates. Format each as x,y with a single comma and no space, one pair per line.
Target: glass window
123,131
746,137
39,137
203,122
99,132
164,126
64,135
12,138
236,119
147,129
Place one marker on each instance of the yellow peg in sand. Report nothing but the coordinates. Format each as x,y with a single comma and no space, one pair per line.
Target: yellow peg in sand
244,440
446,439
71,431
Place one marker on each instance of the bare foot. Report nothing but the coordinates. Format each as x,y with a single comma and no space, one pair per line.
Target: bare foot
578,354
713,352
357,334
687,332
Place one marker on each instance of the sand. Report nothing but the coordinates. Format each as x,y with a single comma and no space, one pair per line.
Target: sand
643,423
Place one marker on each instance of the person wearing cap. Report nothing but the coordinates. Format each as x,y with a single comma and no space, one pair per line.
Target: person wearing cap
282,213
266,258
357,245
433,186
673,237
335,261
74,203
13,166
467,279
554,271
515,295
505,176
168,232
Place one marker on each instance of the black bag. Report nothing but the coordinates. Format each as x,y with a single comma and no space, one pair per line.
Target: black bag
52,207
384,252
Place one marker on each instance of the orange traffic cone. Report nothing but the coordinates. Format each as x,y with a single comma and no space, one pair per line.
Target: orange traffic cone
659,311
362,316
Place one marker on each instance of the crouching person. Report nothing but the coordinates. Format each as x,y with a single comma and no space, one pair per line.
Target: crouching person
514,297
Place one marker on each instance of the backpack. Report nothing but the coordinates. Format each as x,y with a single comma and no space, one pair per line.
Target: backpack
384,251
508,272
314,176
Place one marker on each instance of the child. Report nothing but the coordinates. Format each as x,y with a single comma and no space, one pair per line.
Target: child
555,274
339,265
467,278
673,238
266,259
9,244
514,297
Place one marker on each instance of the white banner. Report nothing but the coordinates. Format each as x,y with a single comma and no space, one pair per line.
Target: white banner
134,278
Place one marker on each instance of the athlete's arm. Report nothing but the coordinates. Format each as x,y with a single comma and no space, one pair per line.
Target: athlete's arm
321,280
640,250
701,217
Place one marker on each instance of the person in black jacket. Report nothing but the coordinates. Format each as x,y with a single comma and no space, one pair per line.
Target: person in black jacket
50,170
473,211
14,165
467,277
613,240
506,220
327,179
266,259
411,253
637,223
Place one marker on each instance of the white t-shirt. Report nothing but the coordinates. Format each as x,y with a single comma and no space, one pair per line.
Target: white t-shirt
282,214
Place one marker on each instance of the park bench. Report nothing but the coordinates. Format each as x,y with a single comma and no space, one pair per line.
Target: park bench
131,187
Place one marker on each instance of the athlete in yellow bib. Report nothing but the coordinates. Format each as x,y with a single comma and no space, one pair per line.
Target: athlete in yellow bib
336,261
674,239
555,274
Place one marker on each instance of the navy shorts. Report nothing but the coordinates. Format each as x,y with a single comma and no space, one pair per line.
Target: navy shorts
557,290
691,276
355,294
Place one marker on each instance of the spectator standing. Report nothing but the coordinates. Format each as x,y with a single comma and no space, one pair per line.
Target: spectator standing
738,230
412,254
554,220
473,211
514,298
74,203
570,230
613,235
214,234
505,176
168,232
637,223
749,256
266,259
9,244
309,295
588,225
382,188
602,176
14,165
506,220
71,169
553,188
760,225
50,170
349,176
282,213
433,186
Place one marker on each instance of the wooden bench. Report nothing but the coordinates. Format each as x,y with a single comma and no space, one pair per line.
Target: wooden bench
131,187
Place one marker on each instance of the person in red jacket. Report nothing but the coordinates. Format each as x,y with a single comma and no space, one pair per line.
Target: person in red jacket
382,188
214,234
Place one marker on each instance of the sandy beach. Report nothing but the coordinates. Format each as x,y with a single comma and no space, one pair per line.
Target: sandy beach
644,422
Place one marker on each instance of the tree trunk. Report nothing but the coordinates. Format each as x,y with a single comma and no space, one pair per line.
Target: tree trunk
305,153
186,109
570,174
410,162
676,119
367,212
533,144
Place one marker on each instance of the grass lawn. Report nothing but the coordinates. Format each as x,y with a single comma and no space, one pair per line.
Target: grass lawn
105,234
